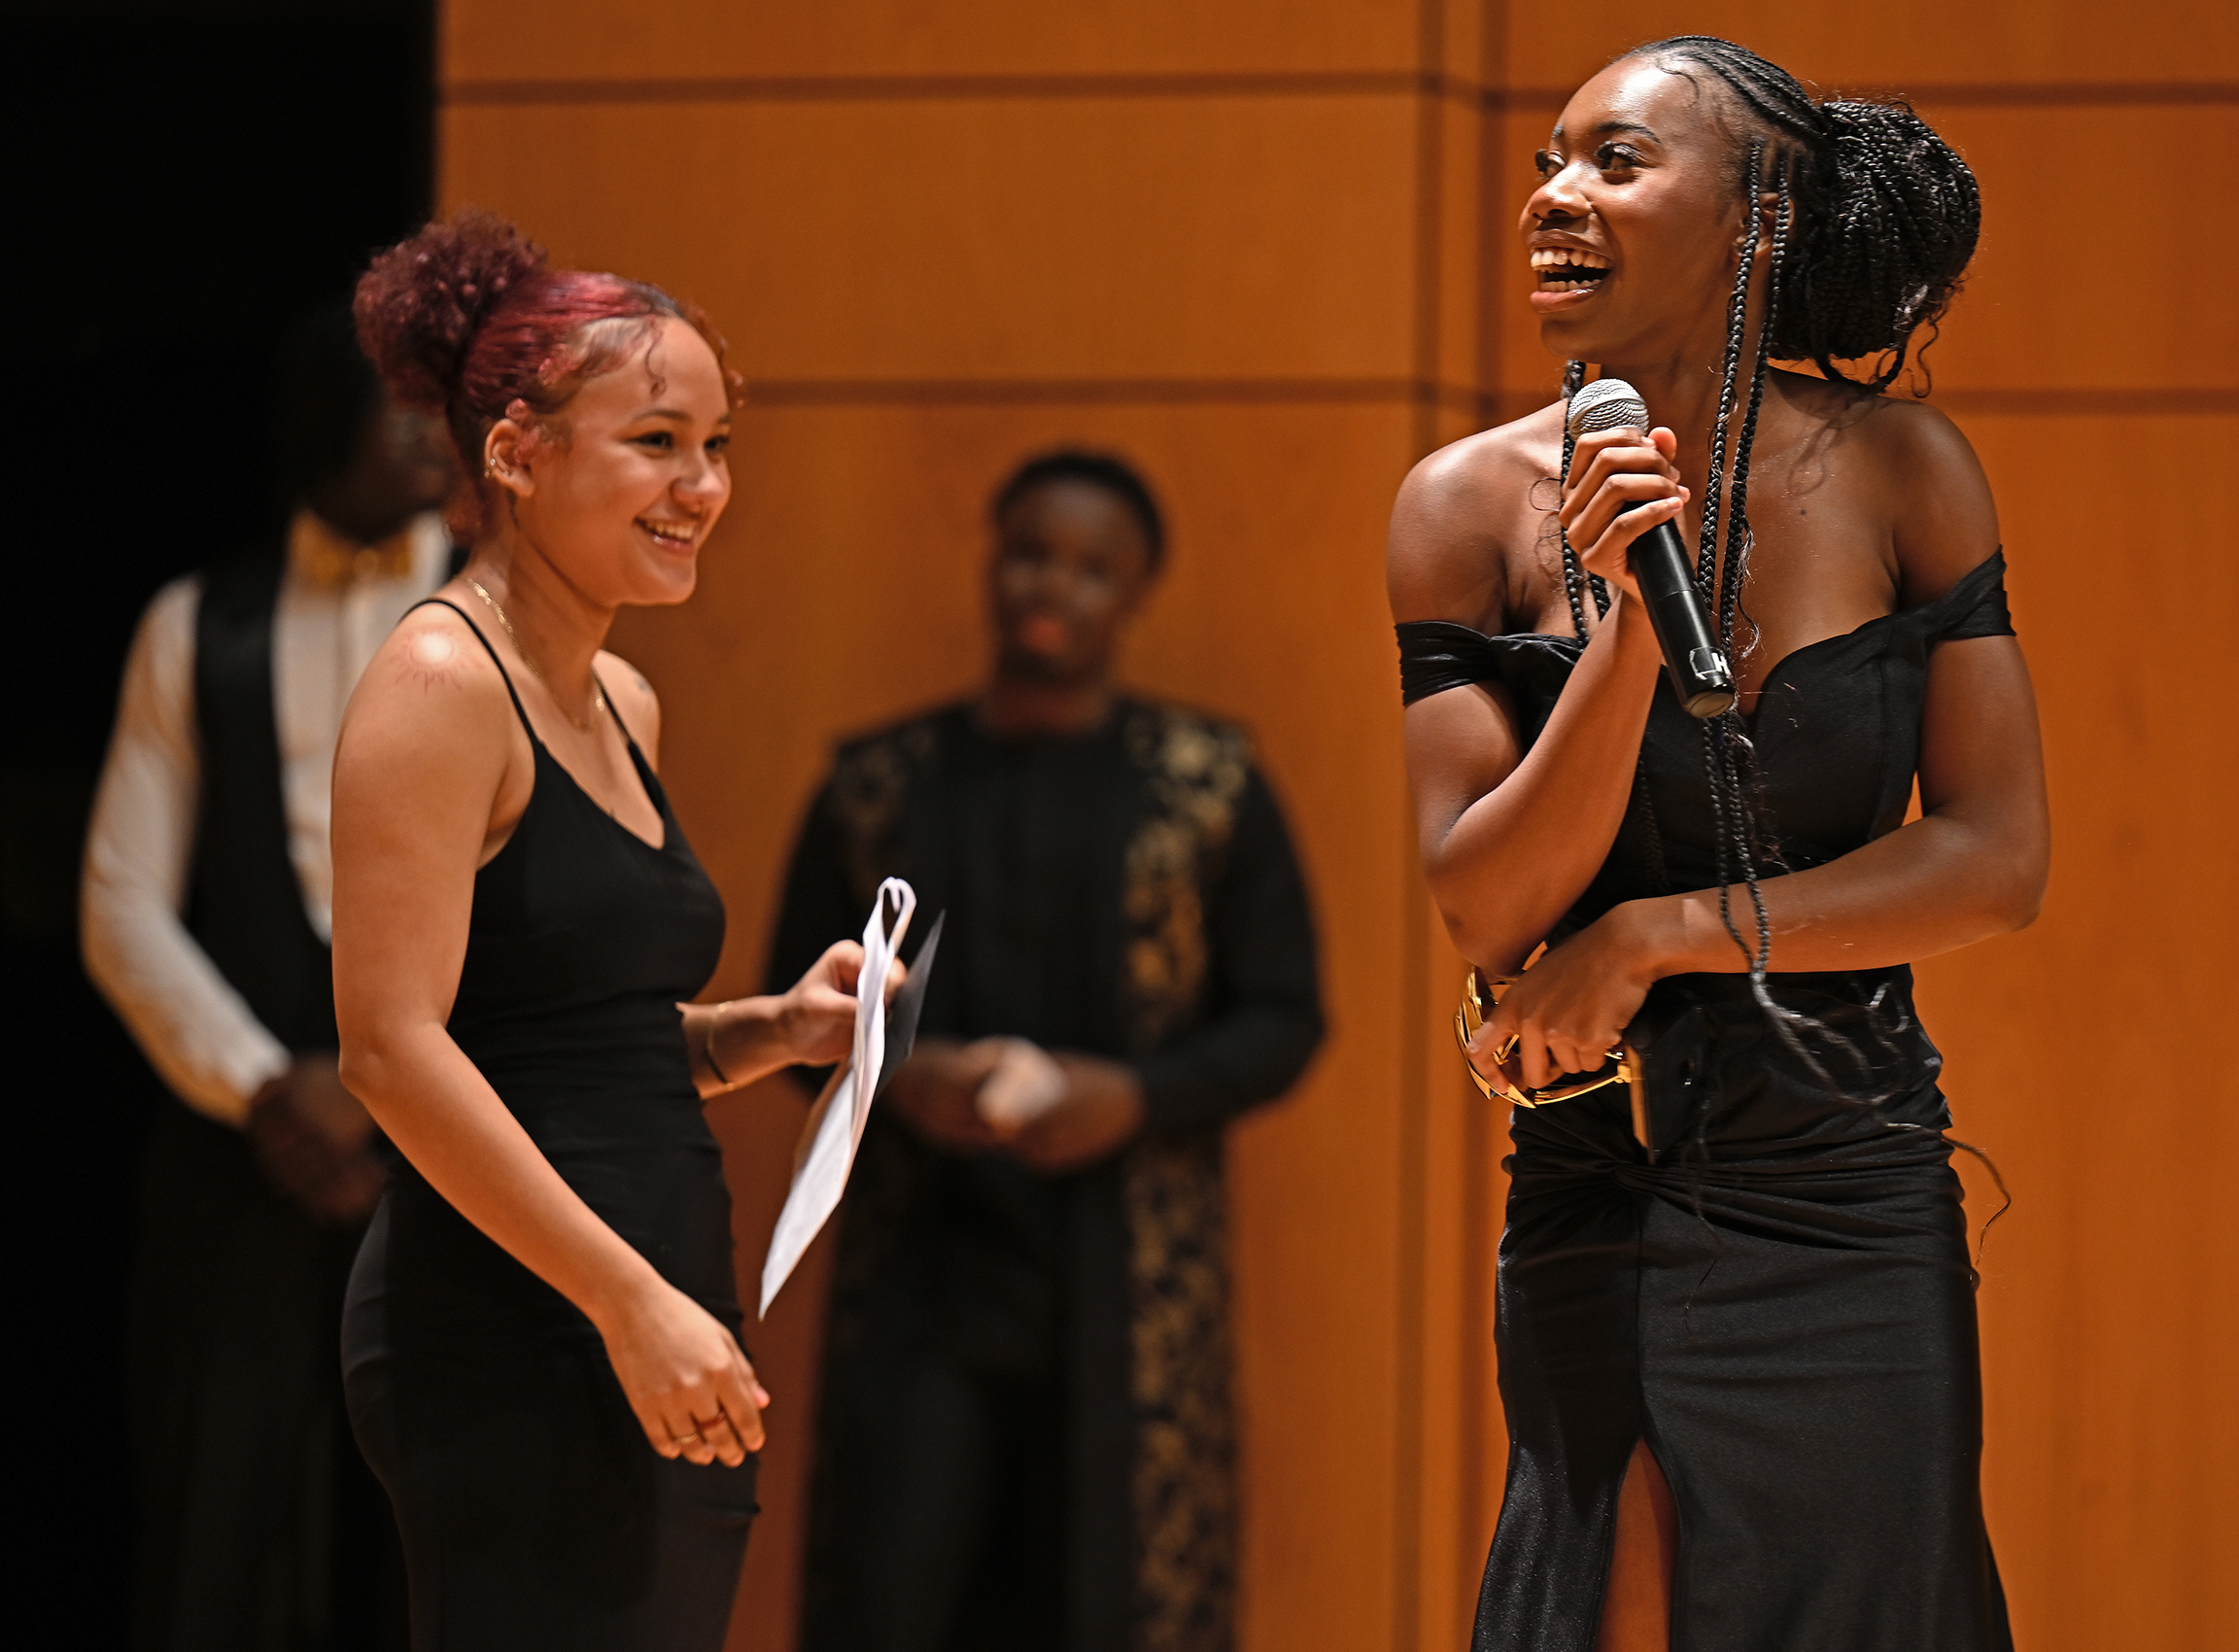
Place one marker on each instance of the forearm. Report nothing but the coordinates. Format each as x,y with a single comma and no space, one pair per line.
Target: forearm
196,1031
192,1025
1248,1057
441,1114
739,1041
1518,857
1931,887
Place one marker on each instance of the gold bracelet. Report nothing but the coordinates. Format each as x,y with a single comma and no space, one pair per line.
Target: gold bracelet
708,1049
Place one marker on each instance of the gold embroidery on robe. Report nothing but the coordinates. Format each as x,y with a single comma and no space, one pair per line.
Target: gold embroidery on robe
1175,1202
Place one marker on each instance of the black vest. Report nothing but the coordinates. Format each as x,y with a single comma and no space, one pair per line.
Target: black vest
243,904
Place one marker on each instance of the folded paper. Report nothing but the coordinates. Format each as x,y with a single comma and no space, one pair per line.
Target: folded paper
883,1037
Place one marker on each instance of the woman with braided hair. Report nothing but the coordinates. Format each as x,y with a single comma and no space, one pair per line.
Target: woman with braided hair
1735,1316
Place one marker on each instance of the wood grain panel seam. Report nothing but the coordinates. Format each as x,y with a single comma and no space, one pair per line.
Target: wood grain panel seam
852,89
1481,1217
1370,83
2171,401
1976,94
2058,94
855,392
1410,1432
2178,400
1486,406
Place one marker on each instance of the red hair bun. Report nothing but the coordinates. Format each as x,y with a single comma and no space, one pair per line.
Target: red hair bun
421,304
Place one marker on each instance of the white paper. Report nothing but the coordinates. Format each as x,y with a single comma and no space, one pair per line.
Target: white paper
835,1127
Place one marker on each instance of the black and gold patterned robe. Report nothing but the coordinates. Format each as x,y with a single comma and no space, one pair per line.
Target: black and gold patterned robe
1130,893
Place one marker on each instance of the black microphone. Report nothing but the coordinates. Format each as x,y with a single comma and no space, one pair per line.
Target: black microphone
1705,683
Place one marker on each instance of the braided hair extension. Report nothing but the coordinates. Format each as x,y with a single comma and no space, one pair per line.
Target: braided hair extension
1573,584
1728,754
1725,737
1886,214
1727,750
1575,581
1736,329
1737,531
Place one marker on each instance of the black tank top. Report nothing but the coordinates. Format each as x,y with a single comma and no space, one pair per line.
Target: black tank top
583,941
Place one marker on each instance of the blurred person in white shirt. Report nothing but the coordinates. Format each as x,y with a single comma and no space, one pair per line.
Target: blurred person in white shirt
205,919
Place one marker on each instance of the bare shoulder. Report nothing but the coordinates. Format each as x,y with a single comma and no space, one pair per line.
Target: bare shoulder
432,698
1467,520
635,703
1899,430
1944,522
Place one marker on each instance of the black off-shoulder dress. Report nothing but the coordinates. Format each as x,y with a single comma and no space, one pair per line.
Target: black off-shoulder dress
1777,1296
533,1512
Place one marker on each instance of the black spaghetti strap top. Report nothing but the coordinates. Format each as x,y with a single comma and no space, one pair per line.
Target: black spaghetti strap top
532,1508
583,941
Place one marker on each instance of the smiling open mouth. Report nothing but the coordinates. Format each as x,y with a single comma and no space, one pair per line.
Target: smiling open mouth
676,536
1568,269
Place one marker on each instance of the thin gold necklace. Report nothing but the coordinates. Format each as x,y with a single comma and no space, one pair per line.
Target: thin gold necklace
598,696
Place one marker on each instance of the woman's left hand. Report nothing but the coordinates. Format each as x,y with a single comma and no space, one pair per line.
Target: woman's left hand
1568,1011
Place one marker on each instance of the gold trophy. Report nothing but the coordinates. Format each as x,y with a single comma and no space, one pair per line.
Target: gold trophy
1622,1065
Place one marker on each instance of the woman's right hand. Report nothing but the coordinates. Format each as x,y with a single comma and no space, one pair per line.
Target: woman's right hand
1611,469
685,1376
817,1013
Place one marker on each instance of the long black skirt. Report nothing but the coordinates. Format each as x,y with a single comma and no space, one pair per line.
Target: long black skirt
1782,1307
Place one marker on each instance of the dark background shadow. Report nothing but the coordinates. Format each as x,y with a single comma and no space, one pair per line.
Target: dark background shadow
185,178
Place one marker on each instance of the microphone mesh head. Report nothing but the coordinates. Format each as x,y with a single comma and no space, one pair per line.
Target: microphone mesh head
1607,404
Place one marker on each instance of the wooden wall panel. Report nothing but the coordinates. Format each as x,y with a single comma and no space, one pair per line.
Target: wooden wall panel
862,241
1902,43
1457,308
2109,1333
1463,1445
1526,374
2047,307
598,40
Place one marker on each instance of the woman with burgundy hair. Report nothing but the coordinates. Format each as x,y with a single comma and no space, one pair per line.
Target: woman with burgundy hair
540,1343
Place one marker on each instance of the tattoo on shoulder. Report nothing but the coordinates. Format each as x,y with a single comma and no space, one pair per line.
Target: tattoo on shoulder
432,657
641,679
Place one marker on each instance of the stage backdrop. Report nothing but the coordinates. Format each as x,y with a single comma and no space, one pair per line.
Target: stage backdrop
1267,249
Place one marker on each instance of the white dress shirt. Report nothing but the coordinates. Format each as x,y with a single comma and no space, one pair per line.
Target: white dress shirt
337,602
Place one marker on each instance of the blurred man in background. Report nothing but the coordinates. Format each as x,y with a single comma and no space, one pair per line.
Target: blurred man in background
1024,1433
205,919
